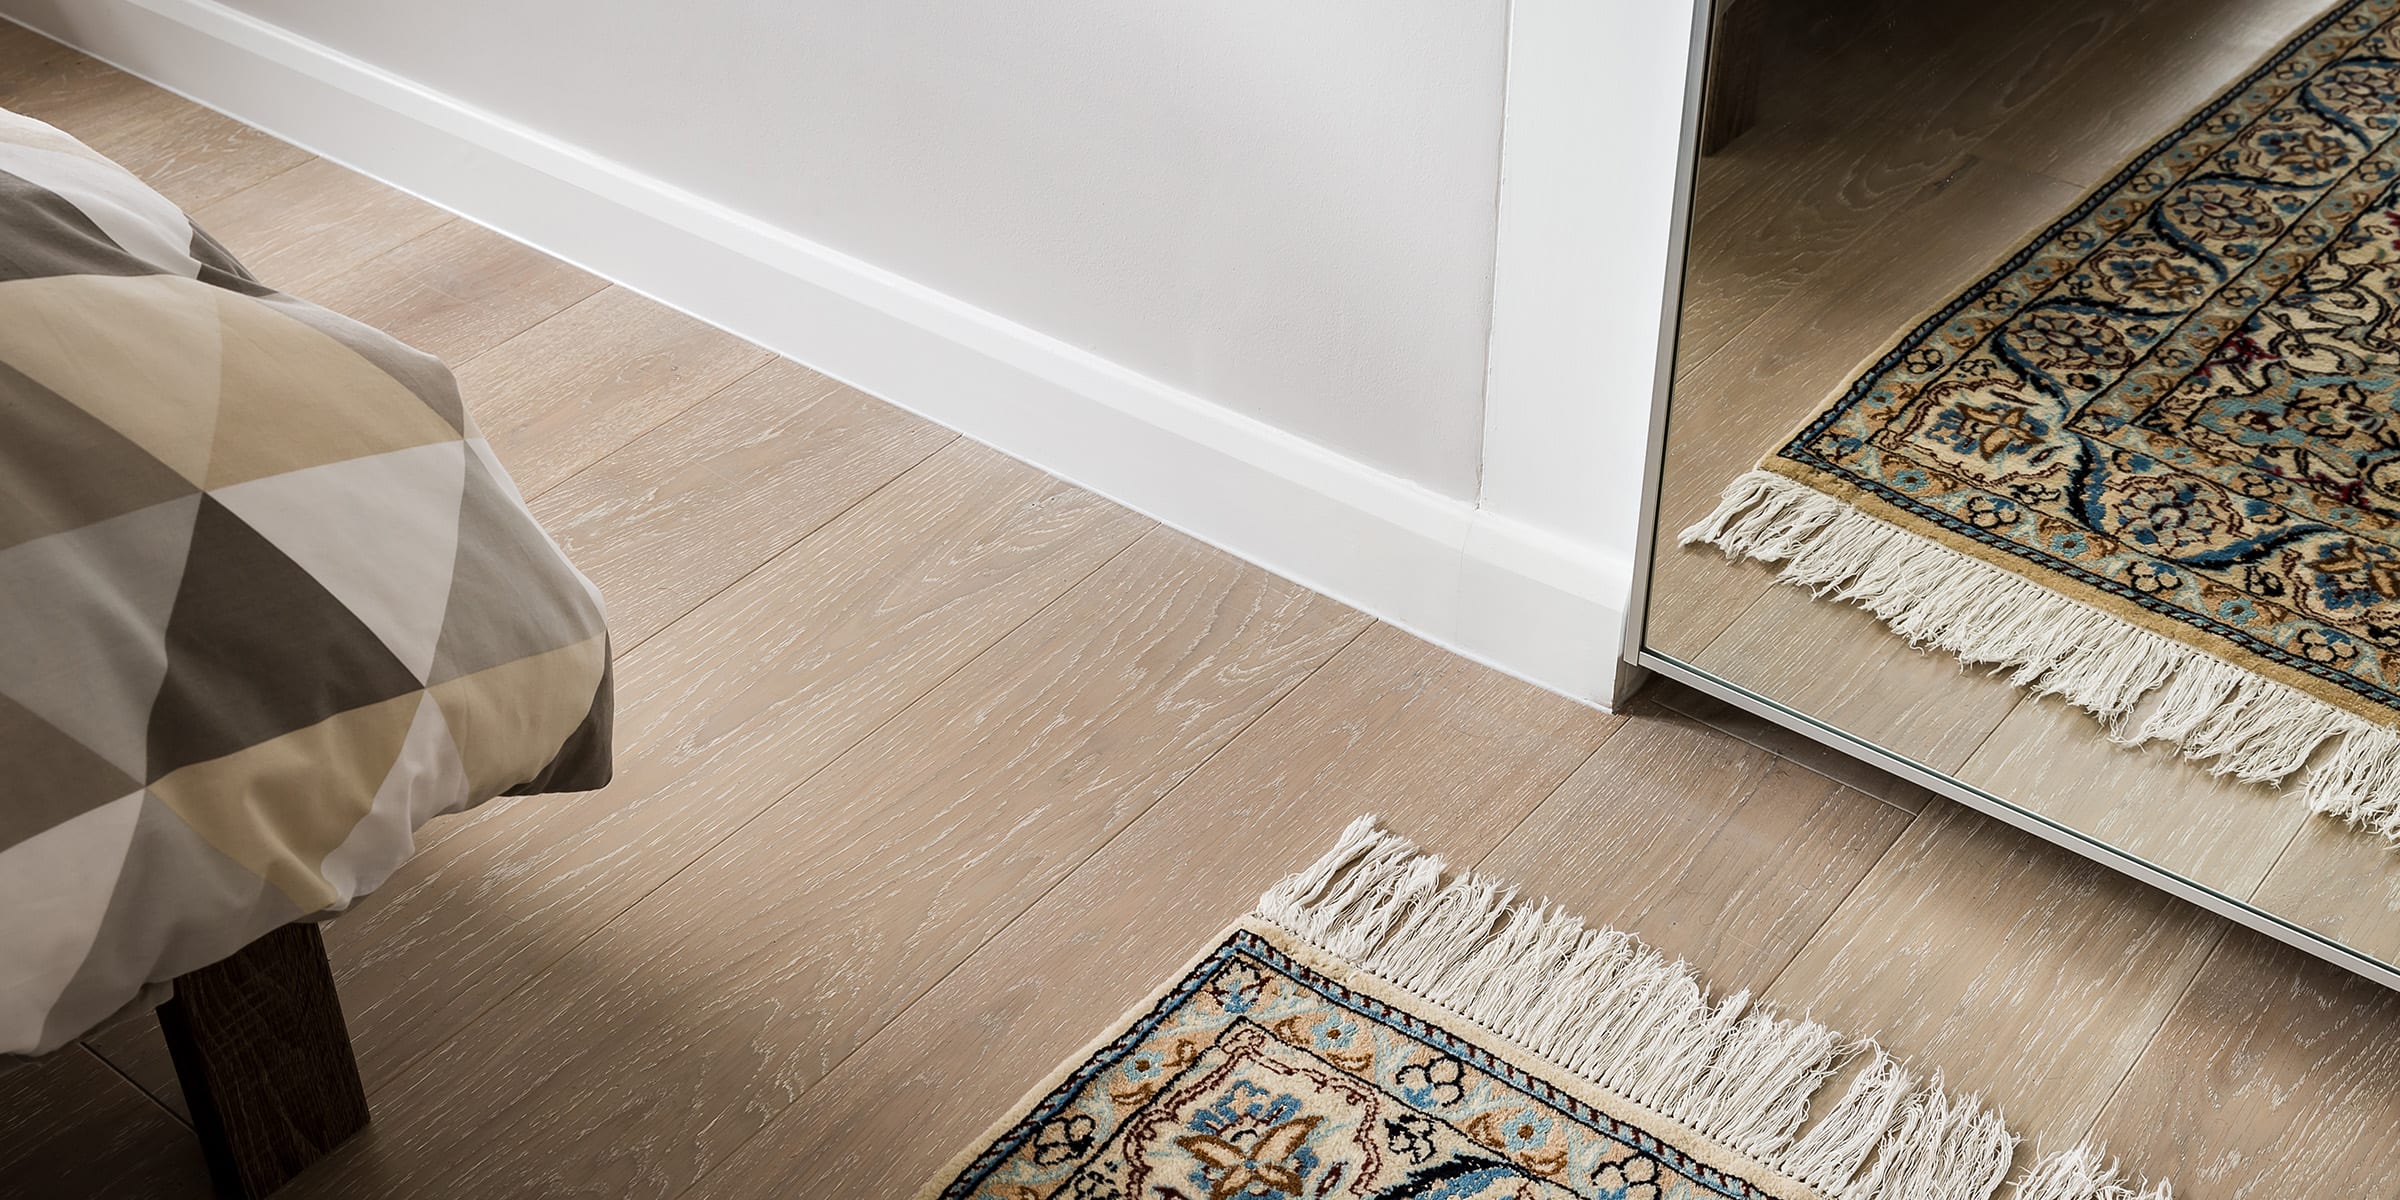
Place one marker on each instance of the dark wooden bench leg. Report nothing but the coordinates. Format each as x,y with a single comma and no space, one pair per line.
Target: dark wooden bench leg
1729,97
265,1061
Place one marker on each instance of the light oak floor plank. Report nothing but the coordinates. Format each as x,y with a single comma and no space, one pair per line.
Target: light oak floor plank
650,1052
2337,881
575,388
1859,136
2051,757
1715,851
744,698
1448,753
1776,739
674,520
2142,81
2019,971
1730,409
70,1126
191,155
684,510
308,225
456,291
2277,1076
1853,674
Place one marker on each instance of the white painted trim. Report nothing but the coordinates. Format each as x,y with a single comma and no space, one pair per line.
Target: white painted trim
1584,266
1522,597
1670,325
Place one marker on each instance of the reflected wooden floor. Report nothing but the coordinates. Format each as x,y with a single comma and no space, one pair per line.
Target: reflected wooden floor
1898,159
932,765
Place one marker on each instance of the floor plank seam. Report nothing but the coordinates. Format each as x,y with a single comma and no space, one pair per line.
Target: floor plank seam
1800,945
454,362
777,556
654,426
1811,768
2294,840
2224,933
1623,723
903,1010
131,1082
405,1069
256,184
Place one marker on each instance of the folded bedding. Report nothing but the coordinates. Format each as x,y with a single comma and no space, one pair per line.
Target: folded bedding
267,602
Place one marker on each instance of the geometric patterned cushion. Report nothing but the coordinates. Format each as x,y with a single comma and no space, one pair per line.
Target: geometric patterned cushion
267,602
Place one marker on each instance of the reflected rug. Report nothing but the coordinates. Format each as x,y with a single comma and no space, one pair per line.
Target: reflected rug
1378,1030
2151,462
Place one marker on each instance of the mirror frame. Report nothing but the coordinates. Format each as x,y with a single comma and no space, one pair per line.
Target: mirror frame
1640,659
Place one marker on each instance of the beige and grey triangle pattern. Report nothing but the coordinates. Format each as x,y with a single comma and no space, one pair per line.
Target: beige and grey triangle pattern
267,602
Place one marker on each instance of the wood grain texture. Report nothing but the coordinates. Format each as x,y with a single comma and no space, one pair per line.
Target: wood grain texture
2277,1076
1856,134
2069,116
701,501
189,154
1709,848
1735,407
27,57
744,698
2336,881
1838,664
575,388
264,1061
2057,762
305,226
751,694
2018,970
1737,35
456,291
2142,80
881,853
70,1127
1776,739
1446,751
651,1051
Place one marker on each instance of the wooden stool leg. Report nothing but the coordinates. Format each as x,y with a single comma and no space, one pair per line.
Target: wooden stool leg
265,1061
1729,97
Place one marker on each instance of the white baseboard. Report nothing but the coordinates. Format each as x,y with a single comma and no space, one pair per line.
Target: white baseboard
1544,608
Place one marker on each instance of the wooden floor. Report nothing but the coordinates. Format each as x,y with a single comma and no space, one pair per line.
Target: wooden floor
931,765
1902,151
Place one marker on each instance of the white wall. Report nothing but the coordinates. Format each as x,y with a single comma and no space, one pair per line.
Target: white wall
1285,208
1230,263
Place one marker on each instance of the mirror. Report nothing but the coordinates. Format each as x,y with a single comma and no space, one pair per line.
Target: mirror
2066,331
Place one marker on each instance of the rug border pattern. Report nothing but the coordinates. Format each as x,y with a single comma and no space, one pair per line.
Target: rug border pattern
1790,459
1727,1174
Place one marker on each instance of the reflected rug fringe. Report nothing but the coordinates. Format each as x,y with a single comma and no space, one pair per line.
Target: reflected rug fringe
2235,721
1619,1015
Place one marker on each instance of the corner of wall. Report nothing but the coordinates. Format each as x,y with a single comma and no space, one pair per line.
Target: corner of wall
1515,593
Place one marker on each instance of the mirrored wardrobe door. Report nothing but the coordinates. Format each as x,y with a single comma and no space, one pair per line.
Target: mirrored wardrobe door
2056,337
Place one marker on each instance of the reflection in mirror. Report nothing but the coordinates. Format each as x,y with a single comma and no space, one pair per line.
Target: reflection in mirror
2063,333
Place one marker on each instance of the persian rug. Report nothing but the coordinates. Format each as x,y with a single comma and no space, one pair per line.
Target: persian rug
2151,461
1377,1030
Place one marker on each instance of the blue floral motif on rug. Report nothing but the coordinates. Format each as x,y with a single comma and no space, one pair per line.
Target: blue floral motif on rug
1462,1044
1257,1077
2158,447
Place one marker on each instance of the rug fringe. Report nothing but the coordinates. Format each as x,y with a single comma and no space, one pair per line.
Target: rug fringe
2236,721
1600,1004
2081,1174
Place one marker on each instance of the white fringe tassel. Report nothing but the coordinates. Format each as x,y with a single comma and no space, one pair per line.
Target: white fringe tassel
1602,1005
2240,723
